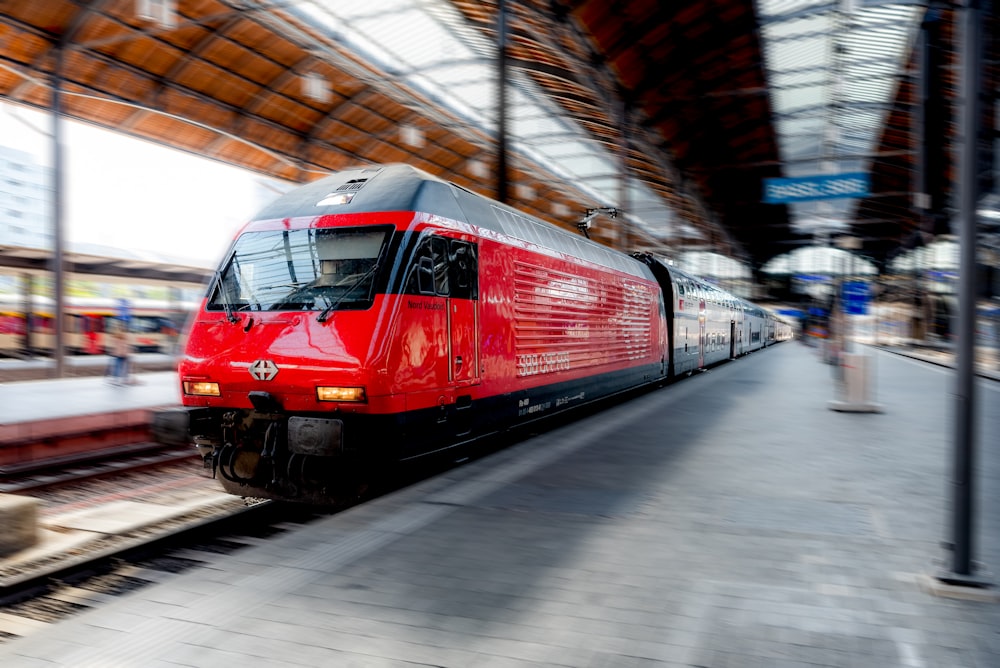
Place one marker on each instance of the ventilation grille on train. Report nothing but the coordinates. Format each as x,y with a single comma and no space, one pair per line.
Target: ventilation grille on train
353,184
345,192
356,179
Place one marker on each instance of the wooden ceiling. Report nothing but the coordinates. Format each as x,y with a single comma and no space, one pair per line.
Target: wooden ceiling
680,84
225,82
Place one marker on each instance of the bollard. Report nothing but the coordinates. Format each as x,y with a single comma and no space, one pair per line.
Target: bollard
19,519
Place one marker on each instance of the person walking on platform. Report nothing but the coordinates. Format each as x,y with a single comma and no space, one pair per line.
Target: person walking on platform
119,350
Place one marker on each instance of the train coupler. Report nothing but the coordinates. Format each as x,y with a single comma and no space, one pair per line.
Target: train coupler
315,436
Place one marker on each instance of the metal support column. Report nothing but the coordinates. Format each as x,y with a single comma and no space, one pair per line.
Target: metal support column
930,124
502,101
962,570
626,240
58,277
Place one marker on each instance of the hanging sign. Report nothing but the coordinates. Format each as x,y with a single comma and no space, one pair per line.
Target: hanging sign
823,186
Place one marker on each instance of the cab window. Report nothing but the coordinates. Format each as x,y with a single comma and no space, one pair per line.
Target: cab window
445,268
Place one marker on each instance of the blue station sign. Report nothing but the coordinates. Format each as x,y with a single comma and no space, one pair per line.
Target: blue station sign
822,186
856,296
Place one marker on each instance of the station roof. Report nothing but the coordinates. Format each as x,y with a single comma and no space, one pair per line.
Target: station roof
710,99
106,263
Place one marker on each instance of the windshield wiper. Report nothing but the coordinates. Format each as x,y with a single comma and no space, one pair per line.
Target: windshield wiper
217,288
329,309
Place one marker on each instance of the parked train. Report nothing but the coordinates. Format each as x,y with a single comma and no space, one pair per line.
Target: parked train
153,325
381,314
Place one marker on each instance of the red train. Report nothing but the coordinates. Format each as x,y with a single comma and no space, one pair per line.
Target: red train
381,313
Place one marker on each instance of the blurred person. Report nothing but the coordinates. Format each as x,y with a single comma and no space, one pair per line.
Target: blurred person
119,351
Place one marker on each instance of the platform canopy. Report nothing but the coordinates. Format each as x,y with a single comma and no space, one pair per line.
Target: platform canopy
702,102
105,263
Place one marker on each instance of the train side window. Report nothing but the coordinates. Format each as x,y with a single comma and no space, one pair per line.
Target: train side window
425,275
439,251
430,267
444,267
462,261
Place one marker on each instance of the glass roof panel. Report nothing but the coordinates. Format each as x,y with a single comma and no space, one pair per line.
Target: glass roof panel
428,45
833,69
792,7
539,127
436,45
812,260
791,101
807,52
456,74
591,166
794,26
561,147
809,76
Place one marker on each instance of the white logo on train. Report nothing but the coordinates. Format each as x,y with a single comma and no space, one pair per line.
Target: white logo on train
263,369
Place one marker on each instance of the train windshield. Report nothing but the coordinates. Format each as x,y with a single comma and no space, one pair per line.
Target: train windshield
323,270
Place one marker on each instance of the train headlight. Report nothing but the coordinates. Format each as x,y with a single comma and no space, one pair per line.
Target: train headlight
201,388
355,394
335,199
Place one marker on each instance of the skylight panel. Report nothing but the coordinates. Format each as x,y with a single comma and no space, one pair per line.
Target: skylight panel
539,127
608,183
807,52
813,76
799,149
561,148
589,166
776,31
775,9
800,126
479,95
395,30
452,74
791,101
864,68
371,8
874,89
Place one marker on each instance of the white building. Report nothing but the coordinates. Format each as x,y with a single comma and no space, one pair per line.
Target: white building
25,195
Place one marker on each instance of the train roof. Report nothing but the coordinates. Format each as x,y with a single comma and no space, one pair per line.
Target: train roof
677,274
368,189
400,187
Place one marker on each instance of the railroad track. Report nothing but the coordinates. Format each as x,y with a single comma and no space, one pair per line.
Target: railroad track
96,578
45,474
61,584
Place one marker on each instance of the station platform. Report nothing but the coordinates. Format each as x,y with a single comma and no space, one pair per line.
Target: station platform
36,414
41,368
53,399
730,519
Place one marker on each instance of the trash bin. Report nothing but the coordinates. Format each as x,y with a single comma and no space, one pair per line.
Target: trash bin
855,386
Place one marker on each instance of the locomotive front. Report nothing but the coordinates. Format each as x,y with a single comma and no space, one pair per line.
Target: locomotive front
280,357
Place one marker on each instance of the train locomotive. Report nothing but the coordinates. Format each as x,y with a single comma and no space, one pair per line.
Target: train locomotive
381,314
